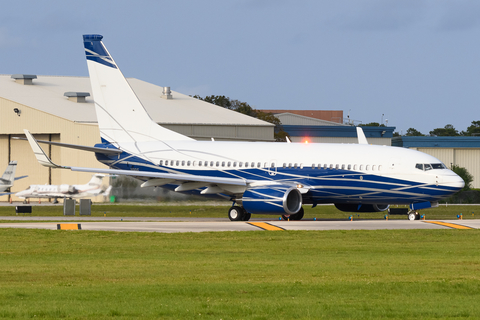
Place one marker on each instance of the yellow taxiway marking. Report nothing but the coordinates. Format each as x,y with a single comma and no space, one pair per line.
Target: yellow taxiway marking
450,225
69,226
265,226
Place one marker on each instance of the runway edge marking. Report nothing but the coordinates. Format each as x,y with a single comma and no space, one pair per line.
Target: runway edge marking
450,225
69,226
266,226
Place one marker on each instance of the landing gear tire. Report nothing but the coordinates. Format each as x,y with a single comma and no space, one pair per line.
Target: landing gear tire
246,216
236,213
297,216
413,216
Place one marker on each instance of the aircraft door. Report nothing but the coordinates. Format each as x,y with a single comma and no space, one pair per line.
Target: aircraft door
271,167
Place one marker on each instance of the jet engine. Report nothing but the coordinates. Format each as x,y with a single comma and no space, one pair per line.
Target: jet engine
358,207
272,200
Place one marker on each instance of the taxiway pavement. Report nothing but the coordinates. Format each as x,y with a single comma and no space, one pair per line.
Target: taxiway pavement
169,225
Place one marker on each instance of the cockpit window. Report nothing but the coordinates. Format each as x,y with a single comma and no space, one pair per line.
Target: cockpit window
430,166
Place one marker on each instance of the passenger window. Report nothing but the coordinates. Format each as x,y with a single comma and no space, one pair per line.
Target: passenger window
223,163
188,163
284,165
361,167
183,163
289,165
343,167
246,164
178,163
380,168
234,164
301,165
228,164
273,165
259,165
331,166
313,165
349,167
218,164
419,166
336,166
239,164
252,165
295,166
374,167
367,167
325,166
161,163
354,167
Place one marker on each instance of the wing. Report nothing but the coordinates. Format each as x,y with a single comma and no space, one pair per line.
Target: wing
153,178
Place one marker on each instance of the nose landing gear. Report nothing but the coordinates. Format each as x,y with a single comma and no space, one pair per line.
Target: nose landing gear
413,215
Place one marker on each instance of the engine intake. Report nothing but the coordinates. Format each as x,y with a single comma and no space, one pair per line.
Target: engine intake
358,207
272,200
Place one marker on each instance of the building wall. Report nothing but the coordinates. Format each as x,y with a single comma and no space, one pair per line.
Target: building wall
44,127
376,141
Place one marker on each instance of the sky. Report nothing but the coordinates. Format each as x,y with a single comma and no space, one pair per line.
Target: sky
413,63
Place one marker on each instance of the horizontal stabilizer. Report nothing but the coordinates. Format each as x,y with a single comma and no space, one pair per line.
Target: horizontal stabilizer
78,147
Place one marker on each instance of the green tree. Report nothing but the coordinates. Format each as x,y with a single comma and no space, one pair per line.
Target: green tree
411,132
465,175
447,131
245,108
473,130
371,124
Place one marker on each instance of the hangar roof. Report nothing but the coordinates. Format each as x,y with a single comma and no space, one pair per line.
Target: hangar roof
47,94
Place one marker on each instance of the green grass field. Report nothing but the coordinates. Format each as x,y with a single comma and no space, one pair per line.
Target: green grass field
385,274
220,210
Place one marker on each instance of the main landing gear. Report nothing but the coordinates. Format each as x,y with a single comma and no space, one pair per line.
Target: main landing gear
237,213
413,215
296,216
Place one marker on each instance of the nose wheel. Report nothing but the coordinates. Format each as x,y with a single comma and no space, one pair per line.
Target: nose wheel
413,215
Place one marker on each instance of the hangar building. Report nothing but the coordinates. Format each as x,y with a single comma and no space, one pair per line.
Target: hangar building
61,109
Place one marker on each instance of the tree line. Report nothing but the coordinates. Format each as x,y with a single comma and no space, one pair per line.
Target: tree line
245,108
448,131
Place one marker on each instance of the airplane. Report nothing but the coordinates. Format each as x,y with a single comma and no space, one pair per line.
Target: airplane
8,178
258,177
92,188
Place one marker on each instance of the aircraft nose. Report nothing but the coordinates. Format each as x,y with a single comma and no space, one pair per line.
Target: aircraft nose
454,181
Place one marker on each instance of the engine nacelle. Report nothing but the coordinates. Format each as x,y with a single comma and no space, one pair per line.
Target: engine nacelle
357,207
65,188
272,200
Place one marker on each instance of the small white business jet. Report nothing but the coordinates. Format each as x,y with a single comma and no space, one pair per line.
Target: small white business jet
91,189
8,178
258,177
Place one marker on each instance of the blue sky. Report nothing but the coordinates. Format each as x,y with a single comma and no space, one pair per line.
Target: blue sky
414,61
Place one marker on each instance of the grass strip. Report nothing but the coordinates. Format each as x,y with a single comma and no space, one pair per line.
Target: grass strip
398,274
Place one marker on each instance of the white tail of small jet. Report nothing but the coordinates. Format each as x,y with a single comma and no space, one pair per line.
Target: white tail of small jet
121,116
8,176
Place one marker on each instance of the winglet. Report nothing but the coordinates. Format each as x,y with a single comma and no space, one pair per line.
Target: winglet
361,136
42,158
